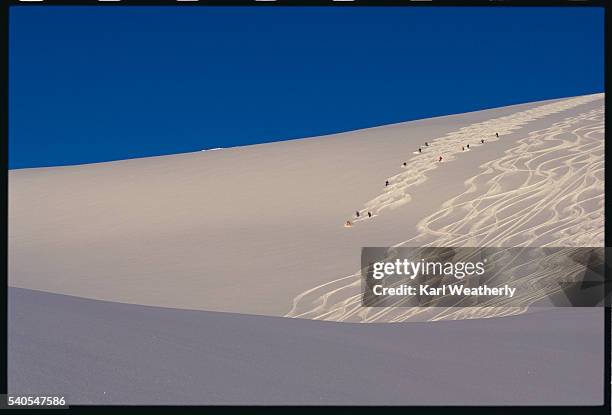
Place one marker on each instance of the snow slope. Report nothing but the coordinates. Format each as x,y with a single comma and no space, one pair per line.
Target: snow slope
259,229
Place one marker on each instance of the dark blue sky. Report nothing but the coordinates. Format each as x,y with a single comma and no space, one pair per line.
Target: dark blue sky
90,84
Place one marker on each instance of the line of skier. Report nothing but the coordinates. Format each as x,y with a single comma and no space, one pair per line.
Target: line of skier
440,158
420,150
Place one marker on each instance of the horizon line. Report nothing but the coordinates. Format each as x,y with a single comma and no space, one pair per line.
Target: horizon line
303,137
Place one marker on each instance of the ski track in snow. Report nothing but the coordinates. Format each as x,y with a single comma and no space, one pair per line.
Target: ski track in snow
449,146
548,190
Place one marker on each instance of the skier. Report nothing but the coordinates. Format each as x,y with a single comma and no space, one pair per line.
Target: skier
420,150
386,183
357,213
426,144
497,135
482,141
462,148
369,214
468,146
440,159
404,164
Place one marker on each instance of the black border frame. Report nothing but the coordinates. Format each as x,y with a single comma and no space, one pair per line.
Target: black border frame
606,408
336,3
